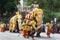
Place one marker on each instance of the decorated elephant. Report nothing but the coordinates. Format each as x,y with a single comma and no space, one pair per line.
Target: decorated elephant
38,15
15,22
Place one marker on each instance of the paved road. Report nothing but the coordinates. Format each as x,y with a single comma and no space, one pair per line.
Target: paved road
14,36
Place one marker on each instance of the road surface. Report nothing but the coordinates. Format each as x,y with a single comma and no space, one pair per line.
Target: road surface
14,36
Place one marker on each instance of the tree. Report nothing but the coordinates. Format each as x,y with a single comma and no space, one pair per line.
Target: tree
48,16
53,5
7,7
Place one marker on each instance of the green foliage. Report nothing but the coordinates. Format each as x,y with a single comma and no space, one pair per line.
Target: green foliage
7,7
48,16
53,5
58,20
